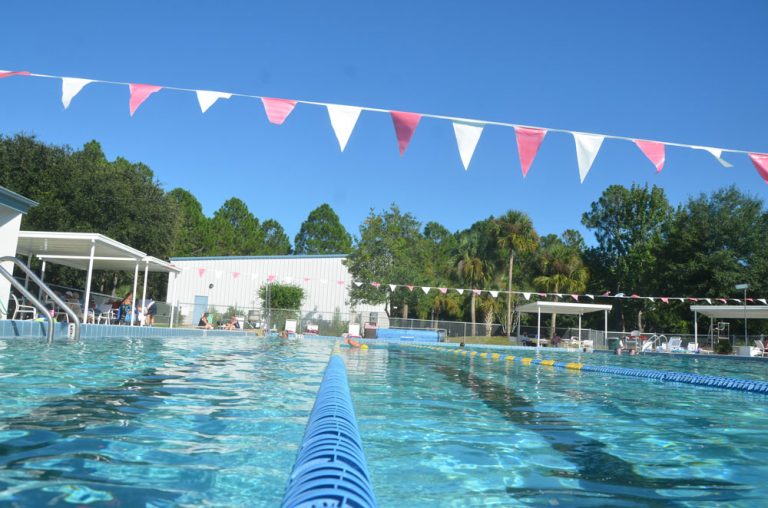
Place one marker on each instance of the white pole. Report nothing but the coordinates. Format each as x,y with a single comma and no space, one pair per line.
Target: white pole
579,331
695,327
173,298
606,327
42,278
538,328
144,291
87,299
133,294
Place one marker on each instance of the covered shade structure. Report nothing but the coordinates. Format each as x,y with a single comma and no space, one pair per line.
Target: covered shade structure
89,252
745,312
563,308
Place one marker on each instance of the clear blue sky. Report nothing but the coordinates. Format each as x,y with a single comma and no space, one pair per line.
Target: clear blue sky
681,71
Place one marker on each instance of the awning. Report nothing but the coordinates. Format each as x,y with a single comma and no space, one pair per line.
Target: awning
571,308
732,311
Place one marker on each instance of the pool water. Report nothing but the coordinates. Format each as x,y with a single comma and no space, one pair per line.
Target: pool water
217,421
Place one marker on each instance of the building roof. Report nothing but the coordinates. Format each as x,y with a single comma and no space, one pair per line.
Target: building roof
246,258
732,311
563,307
15,201
74,250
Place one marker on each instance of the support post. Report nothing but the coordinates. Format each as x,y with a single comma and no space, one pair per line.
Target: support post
87,299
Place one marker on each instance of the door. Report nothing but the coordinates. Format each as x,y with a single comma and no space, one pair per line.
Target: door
201,305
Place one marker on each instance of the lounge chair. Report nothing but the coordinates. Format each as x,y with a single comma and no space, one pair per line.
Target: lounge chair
354,331
760,346
290,326
693,347
312,329
675,345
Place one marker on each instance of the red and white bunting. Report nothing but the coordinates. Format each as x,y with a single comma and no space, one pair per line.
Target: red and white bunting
235,275
708,300
723,300
343,121
527,296
277,109
762,300
467,136
760,160
206,98
654,151
405,126
340,282
443,290
410,287
665,299
478,292
140,93
271,278
591,297
376,284
607,293
717,153
460,291
528,141
575,297
425,289
358,283
494,293
8,74
306,279
71,87
587,146
200,272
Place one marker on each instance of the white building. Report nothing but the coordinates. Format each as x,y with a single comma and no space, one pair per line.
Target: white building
12,207
222,282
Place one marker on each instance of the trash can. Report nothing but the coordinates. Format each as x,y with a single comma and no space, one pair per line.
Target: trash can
614,343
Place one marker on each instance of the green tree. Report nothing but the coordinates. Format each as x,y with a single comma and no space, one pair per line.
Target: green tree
472,270
276,242
195,230
282,301
322,233
628,225
516,237
237,231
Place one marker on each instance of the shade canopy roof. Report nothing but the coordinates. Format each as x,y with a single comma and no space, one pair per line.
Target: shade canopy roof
732,311
563,307
74,250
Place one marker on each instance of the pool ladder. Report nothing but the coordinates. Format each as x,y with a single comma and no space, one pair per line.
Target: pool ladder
73,331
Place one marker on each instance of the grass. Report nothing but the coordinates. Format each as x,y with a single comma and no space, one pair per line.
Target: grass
482,339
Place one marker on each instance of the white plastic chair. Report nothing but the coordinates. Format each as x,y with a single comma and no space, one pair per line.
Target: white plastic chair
674,344
290,326
21,310
354,331
760,346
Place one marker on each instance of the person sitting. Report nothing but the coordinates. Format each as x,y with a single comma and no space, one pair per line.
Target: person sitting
233,324
150,311
203,323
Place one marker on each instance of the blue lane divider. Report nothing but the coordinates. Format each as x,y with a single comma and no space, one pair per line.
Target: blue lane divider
330,469
745,385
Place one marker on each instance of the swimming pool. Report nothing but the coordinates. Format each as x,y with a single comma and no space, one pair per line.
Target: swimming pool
218,421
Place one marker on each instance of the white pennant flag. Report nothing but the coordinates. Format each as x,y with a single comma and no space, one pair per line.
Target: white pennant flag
425,289
708,300
206,98
587,146
343,120
392,287
527,296
591,297
494,293
717,153
761,300
460,291
71,87
467,136
358,283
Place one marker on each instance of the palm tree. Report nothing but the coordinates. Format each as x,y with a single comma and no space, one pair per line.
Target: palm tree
563,270
515,235
471,269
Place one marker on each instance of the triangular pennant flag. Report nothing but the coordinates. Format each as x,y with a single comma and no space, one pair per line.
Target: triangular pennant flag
528,141
235,275
201,272
307,279
723,300
762,300
410,287
140,93
607,293
219,273
760,160
591,297
527,296
340,282
358,283
477,291
425,289
654,151
693,299
392,287
717,153
750,300
376,284
558,295
735,300
635,296
587,146
575,297
619,295
494,293
650,298
343,120
278,109
460,291
681,299
443,290
207,98
467,136
8,74
405,126
271,278
71,87
708,300
665,299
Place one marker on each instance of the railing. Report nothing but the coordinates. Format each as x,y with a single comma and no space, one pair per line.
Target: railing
35,302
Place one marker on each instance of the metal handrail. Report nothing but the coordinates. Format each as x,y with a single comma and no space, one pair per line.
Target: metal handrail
48,291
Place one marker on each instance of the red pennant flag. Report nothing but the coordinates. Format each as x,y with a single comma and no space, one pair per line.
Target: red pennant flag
7,74
723,300
575,297
654,151
693,299
405,126
140,93
750,300
634,295
665,299
340,282
443,290
477,291
375,284
528,142
235,275
760,160
201,272
306,279
271,278
607,293
410,287
278,109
